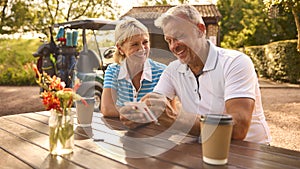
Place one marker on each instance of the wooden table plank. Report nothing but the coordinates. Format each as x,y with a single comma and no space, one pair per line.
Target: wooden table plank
272,161
89,160
238,158
112,141
270,149
120,154
116,147
30,122
19,147
7,160
277,160
170,155
113,147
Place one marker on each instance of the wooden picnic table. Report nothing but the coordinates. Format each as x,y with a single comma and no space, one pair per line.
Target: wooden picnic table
108,144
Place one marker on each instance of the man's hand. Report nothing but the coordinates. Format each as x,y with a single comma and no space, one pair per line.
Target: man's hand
168,115
161,107
131,117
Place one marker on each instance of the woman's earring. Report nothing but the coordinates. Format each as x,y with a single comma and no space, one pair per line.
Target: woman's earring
121,53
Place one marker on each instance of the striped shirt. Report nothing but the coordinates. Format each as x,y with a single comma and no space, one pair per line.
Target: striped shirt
116,77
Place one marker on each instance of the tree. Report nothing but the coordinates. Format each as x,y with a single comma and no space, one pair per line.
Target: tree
289,6
15,15
245,23
37,15
54,11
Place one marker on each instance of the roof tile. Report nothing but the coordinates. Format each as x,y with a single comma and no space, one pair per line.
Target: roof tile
153,12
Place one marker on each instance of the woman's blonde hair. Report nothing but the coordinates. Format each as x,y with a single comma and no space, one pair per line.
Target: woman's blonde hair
125,29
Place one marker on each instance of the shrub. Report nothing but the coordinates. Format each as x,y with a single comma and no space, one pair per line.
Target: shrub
278,61
16,61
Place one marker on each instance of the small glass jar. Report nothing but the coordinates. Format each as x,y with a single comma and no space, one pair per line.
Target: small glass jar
61,132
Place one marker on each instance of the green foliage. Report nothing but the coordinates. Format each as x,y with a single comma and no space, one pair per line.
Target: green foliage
15,15
240,21
287,4
32,15
16,61
291,6
257,54
247,23
278,61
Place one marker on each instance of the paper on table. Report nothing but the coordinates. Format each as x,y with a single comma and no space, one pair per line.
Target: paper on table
143,108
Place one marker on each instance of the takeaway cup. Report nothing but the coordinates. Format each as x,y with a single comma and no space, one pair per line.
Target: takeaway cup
216,130
85,112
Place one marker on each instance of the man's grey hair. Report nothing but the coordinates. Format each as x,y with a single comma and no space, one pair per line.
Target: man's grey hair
187,12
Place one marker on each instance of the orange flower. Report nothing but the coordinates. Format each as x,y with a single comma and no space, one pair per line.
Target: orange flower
50,101
55,95
35,69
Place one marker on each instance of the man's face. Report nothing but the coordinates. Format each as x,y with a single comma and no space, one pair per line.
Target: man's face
181,36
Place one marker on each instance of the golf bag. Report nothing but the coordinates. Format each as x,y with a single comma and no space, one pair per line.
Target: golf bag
58,60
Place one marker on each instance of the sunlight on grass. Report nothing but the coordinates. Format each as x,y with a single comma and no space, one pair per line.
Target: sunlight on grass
16,60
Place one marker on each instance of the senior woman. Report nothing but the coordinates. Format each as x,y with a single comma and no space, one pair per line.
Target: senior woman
133,74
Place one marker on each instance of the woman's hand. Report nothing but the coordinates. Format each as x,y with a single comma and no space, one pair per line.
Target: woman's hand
132,117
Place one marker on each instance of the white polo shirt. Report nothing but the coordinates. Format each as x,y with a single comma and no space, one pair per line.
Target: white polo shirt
227,74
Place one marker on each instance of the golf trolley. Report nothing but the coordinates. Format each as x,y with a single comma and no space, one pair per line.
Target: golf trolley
63,58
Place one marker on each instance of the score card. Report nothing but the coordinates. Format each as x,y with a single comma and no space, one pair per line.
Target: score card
143,108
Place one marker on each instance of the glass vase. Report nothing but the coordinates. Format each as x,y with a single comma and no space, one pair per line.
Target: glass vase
61,132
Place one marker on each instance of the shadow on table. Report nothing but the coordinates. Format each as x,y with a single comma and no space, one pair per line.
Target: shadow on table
82,133
53,161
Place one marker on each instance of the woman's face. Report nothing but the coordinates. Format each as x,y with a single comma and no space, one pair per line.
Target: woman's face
136,43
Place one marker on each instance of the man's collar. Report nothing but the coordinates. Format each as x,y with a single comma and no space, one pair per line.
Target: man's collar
212,58
182,68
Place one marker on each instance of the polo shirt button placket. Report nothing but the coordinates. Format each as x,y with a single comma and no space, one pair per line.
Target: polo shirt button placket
197,94
135,94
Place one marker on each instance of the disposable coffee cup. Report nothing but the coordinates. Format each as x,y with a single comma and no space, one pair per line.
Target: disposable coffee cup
85,112
216,130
